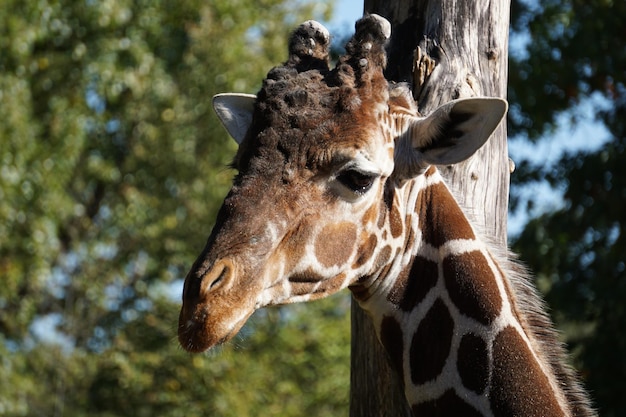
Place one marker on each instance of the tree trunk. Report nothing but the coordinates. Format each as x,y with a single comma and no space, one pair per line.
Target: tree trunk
461,50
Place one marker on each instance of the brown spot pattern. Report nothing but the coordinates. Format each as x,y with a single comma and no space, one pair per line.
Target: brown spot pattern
430,171
382,212
409,239
518,386
383,259
472,286
413,284
391,337
473,363
441,219
335,243
395,221
370,215
295,241
448,405
381,267
366,251
430,346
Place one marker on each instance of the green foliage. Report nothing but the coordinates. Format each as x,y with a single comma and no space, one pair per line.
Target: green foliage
286,366
578,251
112,166
292,361
572,51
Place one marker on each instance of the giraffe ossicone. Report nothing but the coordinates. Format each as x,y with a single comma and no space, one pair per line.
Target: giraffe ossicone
337,188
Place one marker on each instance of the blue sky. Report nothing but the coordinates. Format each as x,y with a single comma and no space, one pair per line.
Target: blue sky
346,12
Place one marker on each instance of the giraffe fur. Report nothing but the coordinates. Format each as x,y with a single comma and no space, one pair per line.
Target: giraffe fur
337,187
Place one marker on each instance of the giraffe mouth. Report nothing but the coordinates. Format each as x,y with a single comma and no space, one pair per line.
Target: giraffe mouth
214,306
199,331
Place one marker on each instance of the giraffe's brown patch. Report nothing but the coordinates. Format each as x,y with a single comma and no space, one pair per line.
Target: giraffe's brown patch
383,259
381,268
382,215
391,337
294,245
396,226
449,404
518,386
441,218
472,286
430,345
370,215
473,363
413,283
389,264
335,243
383,264
409,239
365,252
430,171
333,285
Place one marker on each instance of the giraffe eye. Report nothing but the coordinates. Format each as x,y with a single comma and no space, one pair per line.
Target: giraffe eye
356,181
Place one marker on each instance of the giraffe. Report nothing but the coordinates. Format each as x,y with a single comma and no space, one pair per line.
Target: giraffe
337,187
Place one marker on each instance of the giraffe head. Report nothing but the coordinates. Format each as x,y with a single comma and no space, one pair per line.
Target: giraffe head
321,153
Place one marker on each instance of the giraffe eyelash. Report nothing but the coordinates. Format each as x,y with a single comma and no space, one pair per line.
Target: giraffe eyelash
357,181
351,182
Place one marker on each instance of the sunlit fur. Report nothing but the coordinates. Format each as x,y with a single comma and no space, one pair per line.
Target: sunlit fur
292,229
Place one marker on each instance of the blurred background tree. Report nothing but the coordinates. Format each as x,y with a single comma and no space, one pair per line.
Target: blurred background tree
112,168
572,67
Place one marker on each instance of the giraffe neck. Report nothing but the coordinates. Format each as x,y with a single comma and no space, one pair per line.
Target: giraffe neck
447,311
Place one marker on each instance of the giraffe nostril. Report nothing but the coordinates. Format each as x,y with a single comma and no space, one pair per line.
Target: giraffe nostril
219,279
217,276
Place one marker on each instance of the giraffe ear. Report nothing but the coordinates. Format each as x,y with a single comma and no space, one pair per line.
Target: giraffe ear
456,130
235,112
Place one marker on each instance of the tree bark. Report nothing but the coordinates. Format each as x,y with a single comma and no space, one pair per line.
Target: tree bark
461,50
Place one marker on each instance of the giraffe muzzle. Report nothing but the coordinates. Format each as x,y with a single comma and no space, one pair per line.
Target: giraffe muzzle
207,317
